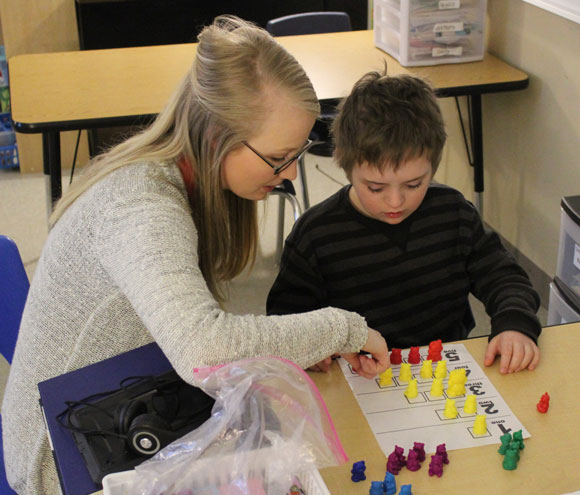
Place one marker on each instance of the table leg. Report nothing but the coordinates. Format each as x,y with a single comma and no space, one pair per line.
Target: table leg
52,170
477,148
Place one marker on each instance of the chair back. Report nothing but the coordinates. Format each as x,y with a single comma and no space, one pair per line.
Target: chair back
309,23
13,291
14,287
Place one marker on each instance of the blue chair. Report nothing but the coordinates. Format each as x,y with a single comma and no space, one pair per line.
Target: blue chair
14,287
313,23
13,290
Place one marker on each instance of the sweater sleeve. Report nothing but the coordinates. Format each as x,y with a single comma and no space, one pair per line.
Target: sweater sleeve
147,244
501,284
299,287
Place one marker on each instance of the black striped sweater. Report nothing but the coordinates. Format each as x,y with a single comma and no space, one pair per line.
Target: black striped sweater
410,281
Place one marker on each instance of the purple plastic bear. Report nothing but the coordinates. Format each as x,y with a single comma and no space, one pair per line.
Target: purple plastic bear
396,460
436,466
413,463
442,451
420,449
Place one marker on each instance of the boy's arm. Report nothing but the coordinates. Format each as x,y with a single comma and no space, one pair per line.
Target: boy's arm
299,287
502,285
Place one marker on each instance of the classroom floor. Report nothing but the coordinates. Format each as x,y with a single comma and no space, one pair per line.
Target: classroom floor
23,217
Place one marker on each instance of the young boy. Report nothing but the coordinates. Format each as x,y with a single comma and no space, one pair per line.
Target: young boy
401,251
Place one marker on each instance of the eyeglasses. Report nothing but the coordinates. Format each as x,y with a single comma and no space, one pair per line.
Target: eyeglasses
287,163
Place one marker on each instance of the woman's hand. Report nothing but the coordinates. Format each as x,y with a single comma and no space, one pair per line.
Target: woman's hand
377,362
322,366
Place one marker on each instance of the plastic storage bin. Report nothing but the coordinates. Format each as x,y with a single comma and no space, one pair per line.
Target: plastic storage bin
9,157
430,32
8,149
568,268
122,483
561,309
3,67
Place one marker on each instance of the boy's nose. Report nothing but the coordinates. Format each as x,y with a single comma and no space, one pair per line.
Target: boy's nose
395,199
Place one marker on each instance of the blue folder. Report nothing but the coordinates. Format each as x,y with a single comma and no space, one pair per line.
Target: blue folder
76,385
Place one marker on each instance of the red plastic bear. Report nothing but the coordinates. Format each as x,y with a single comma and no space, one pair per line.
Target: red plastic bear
414,357
544,403
435,348
396,357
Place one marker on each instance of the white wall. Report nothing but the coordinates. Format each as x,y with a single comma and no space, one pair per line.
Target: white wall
531,137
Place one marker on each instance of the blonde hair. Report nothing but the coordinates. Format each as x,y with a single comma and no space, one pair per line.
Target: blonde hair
219,104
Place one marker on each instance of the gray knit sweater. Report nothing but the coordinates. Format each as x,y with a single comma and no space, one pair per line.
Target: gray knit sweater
118,271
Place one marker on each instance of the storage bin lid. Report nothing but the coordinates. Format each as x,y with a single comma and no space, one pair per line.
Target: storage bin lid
571,205
568,295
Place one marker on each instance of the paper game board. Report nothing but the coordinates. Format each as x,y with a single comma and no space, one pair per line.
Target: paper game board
397,420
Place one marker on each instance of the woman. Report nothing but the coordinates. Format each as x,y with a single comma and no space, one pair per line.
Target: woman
141,247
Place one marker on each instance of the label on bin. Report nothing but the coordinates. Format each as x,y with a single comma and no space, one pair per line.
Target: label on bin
576,256
448,27
442,52
449,4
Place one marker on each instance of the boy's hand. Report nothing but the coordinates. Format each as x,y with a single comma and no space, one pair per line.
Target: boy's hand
517,350
377,362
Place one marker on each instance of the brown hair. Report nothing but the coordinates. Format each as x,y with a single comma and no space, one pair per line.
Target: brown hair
388,120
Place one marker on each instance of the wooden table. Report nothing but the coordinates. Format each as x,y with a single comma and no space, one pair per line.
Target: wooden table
56,92
550,462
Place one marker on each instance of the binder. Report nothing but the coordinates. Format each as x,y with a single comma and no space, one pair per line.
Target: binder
78,384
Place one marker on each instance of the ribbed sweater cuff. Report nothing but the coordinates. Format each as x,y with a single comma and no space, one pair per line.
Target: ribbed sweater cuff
525,323
358,332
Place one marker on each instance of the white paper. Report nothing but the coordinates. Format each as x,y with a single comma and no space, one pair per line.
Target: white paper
396,420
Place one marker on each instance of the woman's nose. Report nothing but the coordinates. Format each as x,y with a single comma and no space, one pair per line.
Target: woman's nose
291,172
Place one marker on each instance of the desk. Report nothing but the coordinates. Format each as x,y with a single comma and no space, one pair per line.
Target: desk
55,92
549,462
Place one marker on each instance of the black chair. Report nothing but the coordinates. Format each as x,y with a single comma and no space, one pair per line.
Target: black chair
309,23
313,23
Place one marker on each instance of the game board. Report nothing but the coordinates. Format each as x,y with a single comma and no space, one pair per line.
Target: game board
398,420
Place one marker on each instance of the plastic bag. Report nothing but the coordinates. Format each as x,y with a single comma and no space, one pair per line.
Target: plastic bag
269,423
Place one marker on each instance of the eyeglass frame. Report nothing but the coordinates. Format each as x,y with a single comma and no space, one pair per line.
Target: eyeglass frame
280,168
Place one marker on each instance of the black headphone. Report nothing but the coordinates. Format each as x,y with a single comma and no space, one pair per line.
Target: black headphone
156,412
147,431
